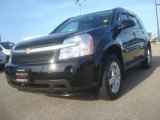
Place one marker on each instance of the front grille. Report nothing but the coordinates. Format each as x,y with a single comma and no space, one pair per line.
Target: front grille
38,45
32,57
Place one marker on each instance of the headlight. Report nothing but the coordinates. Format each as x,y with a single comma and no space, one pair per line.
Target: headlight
83,46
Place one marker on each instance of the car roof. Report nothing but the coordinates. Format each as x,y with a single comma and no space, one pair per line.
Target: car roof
114,10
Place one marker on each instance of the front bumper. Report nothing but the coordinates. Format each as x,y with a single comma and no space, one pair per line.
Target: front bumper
65,77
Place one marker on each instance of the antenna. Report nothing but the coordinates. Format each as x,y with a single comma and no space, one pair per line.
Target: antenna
79,3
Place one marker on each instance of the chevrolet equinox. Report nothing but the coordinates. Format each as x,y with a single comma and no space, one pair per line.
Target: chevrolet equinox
84,52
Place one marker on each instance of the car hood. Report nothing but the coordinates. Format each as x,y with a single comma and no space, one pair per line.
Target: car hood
48,39
55,39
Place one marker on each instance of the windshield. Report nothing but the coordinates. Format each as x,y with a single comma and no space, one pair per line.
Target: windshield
85,22
8,45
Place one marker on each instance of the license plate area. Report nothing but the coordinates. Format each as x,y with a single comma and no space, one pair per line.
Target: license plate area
22,76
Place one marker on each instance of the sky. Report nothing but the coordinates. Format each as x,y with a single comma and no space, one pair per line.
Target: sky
25,18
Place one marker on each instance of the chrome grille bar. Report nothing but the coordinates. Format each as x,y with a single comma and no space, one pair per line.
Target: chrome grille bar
46,48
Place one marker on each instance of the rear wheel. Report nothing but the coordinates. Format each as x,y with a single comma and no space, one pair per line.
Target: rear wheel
148,60
112,79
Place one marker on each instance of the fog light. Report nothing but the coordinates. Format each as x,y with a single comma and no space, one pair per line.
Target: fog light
71,69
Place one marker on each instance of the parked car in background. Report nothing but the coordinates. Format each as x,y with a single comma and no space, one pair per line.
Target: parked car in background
83,53
3,60
6,47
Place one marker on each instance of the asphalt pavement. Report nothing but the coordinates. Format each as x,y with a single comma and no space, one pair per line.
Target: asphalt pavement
140,100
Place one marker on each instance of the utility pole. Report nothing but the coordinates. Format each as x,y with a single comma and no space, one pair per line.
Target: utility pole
79,3
158,31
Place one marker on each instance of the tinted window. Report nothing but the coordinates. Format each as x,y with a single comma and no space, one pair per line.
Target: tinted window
123,17
71,27
133,18
85,22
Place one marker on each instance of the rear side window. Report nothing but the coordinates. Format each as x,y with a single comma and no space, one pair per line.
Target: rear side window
133,18
123,17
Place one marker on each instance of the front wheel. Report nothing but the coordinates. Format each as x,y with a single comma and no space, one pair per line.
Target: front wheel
112,79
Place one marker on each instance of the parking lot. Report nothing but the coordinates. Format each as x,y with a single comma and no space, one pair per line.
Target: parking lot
140,100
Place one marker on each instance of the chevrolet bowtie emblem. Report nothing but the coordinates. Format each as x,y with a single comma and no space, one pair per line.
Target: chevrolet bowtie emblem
27,50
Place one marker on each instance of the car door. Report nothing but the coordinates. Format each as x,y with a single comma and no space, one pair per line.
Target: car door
136,45
142,37
125,38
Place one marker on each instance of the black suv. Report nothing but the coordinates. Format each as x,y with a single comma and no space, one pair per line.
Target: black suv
82,53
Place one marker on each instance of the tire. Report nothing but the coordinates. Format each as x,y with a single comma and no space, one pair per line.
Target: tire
108,89
147,63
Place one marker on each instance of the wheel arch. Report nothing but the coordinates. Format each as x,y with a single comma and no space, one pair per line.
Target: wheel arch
116,50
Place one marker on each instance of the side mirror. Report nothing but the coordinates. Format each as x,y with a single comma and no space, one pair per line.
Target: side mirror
126,24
